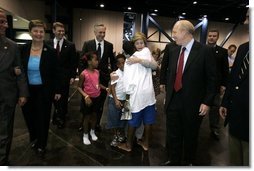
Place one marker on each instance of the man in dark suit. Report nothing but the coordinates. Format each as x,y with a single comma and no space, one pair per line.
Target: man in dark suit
221,58
67,58
235,107
190,89
13,88
106,62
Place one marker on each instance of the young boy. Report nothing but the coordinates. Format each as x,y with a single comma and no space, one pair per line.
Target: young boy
115,103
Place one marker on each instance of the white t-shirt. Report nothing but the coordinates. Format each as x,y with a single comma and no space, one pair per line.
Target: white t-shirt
120,92
138,82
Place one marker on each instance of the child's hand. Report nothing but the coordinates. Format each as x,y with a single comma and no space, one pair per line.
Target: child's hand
133,60
108,90
88,101
113,76
119,105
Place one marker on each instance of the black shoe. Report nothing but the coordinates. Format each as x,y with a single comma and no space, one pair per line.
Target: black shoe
41,152
169,163
54,122
60,125
215,135
80,129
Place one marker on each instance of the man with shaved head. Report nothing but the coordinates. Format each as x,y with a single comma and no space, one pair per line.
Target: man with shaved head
13,88
190,88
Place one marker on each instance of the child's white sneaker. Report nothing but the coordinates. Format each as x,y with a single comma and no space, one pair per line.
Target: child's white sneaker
86,141
92,133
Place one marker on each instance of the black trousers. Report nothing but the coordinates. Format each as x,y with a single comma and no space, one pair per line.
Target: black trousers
6,129
61,106
182,131
37,115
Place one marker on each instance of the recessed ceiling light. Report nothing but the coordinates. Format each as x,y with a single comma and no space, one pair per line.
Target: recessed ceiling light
102,5
227,19
195,2
155,10
181,17
153,14
183,13
129,8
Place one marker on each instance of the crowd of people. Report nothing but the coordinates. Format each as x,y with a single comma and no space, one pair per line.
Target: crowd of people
197,80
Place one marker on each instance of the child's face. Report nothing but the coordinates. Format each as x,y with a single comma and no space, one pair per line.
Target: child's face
139,44
94,61
120,63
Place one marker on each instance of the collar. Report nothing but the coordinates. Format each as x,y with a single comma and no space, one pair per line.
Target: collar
189,45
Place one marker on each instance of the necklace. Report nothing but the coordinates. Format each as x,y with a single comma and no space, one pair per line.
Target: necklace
34,49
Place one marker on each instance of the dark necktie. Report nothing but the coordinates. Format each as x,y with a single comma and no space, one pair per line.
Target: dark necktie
99,50
58,48
244,66
179,72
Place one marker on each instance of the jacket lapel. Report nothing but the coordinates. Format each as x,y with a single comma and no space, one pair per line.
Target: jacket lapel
193,53
3,50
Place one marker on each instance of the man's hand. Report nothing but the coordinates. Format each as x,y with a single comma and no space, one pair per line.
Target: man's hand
22,101
203,110
57,97
162,88
72,81
223,112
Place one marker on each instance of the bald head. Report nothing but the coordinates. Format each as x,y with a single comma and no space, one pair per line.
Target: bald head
182,32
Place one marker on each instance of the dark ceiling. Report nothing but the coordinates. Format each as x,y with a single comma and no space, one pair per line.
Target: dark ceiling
216,10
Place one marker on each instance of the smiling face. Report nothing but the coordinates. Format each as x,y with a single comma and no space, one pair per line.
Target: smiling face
179,34
37,33
139,44
100,32
59,32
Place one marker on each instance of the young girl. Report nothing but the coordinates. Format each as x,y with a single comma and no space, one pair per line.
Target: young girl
90,90
139,89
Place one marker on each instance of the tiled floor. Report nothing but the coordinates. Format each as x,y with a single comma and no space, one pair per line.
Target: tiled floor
65,147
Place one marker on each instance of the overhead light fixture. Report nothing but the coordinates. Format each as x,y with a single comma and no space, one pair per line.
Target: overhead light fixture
129,8
183,13
155,10
226,18
195,2
102,5
153,14
180,17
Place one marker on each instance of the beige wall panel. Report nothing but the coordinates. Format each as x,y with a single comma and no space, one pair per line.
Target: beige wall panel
83,29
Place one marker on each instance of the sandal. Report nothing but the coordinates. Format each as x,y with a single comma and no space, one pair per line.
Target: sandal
124,147
139,142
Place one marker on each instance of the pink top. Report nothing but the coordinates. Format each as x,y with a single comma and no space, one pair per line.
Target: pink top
91,83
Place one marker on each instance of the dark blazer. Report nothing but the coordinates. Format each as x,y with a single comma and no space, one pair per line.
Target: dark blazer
221,56
199,76
12,86
50,71
67,59
236,98
107,58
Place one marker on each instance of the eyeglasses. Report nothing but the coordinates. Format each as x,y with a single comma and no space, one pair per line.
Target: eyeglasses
3,22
